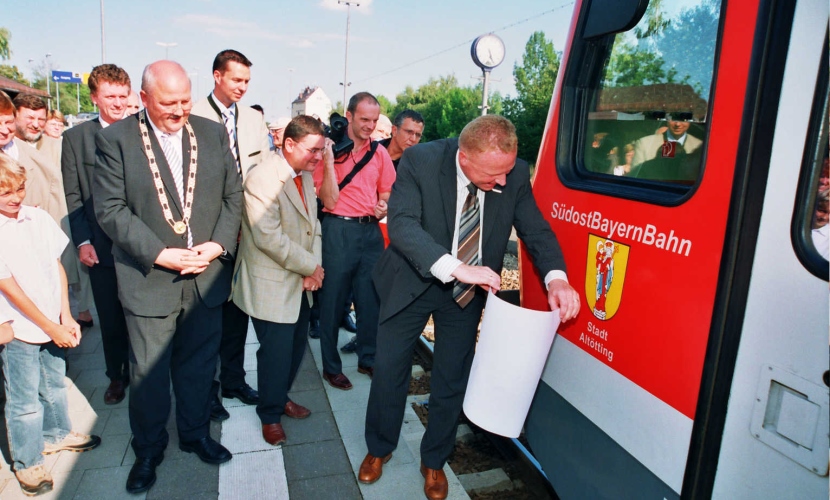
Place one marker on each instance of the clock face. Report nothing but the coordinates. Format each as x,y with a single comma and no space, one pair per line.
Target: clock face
488,51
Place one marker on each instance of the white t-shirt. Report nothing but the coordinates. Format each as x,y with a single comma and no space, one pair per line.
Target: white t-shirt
30,249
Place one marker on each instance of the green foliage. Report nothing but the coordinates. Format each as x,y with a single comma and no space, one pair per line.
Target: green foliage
385,105
13,73
69,98
678,50
535,79
445,106
5,44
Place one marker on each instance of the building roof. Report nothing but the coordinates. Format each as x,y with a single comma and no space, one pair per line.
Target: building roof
13,88
306,93
664,97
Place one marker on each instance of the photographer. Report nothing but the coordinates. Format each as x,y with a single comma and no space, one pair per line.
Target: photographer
354,189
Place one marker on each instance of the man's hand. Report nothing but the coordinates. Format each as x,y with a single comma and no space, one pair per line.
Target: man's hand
482,276
315,281
209,250
562,296
310,284
87,255
380,209
183,260
318,275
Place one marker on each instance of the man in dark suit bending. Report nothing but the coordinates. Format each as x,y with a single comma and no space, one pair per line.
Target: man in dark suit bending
450,215
166,191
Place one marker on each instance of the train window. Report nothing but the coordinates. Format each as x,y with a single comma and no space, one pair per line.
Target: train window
647,113
811,227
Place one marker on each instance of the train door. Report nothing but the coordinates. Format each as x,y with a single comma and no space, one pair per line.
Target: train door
652,173
775,437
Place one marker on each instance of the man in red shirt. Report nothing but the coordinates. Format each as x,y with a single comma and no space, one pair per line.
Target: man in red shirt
352,241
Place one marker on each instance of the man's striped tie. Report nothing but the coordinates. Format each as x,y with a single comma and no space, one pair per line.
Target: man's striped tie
174,161
230,126
469,233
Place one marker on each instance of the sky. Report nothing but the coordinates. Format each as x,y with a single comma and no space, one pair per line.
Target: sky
292,43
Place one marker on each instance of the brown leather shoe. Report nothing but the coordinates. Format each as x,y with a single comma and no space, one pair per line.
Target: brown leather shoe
273,434
372,468
338,381
115,392
435,484
366,370
294,410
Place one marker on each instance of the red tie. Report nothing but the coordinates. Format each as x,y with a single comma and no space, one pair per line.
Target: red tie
299,182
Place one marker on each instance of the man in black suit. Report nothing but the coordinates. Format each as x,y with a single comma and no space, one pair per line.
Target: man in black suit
450,216
167,193
109,88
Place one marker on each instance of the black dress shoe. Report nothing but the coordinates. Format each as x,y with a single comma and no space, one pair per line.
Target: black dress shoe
218,413
143,474
244,393
314,330
350,346
348,323
207,449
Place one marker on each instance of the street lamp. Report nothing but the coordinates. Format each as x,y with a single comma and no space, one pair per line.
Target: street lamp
290,100
346,65
166,46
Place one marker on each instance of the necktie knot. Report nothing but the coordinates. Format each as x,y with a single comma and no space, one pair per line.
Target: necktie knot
472,189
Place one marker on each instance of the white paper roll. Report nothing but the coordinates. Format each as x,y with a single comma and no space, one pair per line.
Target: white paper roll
512,349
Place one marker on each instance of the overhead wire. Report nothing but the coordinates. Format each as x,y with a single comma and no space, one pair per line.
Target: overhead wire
466,42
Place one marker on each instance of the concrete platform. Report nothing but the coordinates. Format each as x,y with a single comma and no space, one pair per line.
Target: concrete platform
319,461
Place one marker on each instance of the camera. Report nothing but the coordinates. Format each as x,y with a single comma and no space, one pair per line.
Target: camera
336,131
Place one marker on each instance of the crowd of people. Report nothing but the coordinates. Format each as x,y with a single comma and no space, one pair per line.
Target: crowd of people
182,222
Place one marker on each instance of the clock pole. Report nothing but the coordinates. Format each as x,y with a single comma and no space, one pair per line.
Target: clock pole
484,106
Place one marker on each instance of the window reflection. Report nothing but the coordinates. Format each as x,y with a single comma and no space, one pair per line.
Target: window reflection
649,112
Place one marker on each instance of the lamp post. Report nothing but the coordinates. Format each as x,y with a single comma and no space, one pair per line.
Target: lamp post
48,79
346,65
167,46
103,41
290,100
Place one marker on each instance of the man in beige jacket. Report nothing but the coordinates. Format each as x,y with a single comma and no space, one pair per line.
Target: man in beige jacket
278,265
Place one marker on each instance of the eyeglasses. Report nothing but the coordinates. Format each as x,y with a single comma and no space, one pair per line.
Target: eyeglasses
313,151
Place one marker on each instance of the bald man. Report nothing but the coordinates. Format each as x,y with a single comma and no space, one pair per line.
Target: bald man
173,211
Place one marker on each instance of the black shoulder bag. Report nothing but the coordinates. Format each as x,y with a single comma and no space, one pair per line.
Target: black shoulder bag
346,180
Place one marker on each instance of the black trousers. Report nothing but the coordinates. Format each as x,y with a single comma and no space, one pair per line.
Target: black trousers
232,348
350,251
281,350
455,337
183,346
114,336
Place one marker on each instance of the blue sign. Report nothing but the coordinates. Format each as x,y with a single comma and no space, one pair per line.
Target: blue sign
66,77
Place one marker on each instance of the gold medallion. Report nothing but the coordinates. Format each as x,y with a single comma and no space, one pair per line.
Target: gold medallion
180,227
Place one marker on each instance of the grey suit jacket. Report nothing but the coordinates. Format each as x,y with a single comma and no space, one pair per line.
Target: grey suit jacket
78,167
251,133
129,212
280,245
422,221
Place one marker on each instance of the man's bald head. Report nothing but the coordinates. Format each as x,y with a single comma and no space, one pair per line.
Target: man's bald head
165,92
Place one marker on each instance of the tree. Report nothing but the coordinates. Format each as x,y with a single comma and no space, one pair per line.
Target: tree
13,73
535,79
5,47
385,105
445,106
688,44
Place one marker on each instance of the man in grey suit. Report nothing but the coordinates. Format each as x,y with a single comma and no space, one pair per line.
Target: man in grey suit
248,138
167,193
450,216
109,87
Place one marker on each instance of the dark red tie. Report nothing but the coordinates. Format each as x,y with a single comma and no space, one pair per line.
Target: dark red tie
299,182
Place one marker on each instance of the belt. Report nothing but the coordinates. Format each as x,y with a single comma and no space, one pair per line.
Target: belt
363,219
